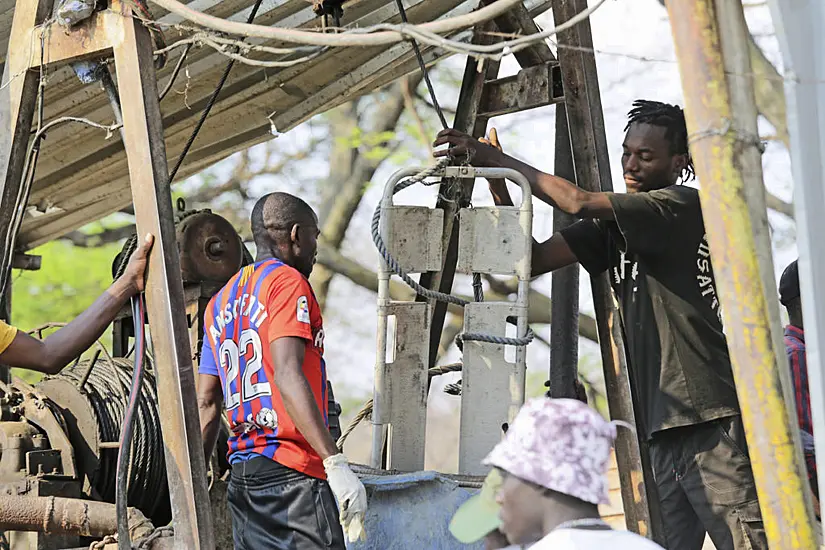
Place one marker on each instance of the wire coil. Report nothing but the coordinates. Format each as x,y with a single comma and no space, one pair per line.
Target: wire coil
107,390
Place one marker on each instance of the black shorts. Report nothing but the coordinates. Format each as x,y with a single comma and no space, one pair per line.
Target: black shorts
276,508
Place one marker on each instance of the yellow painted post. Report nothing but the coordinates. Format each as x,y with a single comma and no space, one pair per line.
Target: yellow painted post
771,433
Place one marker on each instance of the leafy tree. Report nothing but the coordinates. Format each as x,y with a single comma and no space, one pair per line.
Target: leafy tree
70,279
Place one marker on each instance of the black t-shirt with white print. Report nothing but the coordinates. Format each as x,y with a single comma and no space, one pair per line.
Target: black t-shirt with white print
660,268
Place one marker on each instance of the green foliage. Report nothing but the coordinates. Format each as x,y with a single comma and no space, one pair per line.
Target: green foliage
534,385
377,154
373,145
350,399
70,279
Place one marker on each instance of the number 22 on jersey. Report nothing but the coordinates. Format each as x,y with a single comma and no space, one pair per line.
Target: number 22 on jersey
239,378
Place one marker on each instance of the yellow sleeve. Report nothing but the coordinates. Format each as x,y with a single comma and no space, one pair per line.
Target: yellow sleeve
7,334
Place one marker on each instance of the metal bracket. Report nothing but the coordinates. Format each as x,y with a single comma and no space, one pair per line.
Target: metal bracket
26,262
492,388
36,412
47,462
532,87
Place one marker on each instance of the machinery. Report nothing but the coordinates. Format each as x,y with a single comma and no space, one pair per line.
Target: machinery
60,437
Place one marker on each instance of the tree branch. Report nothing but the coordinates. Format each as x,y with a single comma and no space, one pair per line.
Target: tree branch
769,91
341,207
423,99
84,240
407,88
451,330
243,174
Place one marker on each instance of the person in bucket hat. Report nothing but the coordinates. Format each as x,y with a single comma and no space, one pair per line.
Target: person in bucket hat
552,465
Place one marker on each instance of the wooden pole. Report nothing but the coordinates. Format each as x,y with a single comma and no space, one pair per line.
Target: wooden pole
148,171
587,133
780,479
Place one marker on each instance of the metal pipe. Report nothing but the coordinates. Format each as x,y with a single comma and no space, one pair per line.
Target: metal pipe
524,269
780,478
380,408
798,27
564,290
57,515
591,160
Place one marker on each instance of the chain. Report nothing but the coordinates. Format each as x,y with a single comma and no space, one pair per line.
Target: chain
142,545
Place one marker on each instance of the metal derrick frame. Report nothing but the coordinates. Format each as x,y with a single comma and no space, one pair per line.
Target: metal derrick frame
115,33
579,120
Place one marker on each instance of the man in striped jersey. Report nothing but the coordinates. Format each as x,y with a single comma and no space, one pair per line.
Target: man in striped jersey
262,359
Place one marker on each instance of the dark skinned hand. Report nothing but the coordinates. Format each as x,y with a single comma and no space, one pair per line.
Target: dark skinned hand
461,145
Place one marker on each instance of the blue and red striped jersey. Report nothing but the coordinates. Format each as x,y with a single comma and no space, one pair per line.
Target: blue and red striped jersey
261,303
795,349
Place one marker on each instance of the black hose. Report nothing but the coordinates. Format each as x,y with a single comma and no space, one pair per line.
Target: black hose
124,541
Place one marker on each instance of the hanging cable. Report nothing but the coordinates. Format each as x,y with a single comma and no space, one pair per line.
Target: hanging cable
211,102
423,68
124,541
478,289
29,167
175,72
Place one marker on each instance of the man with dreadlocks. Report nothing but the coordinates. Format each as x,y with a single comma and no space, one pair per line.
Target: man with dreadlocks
652,241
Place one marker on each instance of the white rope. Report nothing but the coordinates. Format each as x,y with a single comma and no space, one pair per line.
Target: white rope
348,38
382,34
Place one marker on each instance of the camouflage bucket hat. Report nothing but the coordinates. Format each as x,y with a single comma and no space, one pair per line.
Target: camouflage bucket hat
560,444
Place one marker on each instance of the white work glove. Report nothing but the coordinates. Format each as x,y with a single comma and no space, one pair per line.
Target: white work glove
350,494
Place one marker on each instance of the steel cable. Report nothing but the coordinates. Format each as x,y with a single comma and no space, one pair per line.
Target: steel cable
107,390
209,104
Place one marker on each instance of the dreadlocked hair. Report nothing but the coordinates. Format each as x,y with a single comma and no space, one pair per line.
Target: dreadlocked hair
670,117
